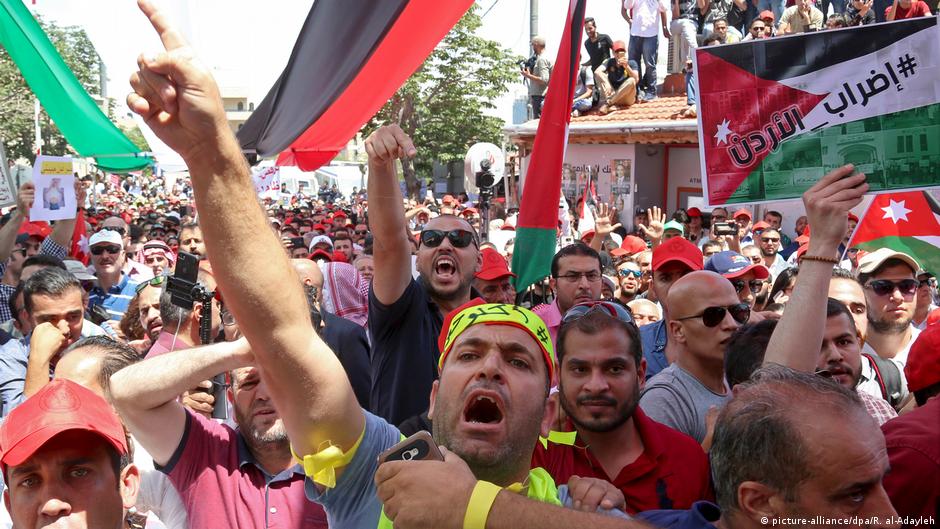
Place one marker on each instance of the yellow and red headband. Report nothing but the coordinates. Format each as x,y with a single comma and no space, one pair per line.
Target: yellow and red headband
478,311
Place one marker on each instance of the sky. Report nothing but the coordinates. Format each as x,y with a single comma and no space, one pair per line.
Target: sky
246,43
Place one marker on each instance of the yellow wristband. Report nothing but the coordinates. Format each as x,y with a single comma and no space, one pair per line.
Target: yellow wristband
481,500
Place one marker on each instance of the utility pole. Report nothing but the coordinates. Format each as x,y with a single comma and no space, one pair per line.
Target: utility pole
533,19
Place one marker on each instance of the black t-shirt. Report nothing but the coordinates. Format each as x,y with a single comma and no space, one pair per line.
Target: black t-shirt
350,344
854,19
616,74
599,50
404,353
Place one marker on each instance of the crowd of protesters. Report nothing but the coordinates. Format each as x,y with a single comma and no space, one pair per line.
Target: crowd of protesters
701,370
621,71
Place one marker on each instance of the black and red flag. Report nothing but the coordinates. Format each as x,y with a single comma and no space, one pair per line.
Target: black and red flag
350,57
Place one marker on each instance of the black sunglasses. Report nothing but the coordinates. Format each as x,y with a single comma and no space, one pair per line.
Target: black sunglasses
755,285
457,238
885,287
110,248
712,316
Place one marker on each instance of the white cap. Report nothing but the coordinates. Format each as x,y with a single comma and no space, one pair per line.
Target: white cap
109,236
318,239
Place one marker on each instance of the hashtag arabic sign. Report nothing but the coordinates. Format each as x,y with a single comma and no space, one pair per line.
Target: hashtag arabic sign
777,114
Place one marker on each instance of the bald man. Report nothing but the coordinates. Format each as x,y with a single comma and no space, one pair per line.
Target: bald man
703,311
345,338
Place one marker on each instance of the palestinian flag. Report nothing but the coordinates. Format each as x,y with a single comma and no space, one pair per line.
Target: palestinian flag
349,59
537,227
906,222
775,115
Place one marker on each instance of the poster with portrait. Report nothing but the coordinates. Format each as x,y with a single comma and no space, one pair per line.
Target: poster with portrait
569,185
55,189
621,184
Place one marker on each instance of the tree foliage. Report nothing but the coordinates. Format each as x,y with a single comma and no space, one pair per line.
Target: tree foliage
442,105
16,99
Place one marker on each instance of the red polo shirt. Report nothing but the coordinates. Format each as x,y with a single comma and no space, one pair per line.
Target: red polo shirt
671,473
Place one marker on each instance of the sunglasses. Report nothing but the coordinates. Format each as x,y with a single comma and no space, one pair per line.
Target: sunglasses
754,285
155,282
610,309
885,287
770,239
110,248
457,238
362,232
624,272
712,316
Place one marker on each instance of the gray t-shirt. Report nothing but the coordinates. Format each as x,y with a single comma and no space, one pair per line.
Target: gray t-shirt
677,399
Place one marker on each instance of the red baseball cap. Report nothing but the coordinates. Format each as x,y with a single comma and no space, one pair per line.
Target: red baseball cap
619,45
60,406
587,235
37,228
740,212
494,266
764,15
853,216
694,212
631,245
922,369
469,211
758,226
448,199
677,249
339,215
320,253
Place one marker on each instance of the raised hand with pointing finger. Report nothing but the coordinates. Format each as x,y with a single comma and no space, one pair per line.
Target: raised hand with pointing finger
176,95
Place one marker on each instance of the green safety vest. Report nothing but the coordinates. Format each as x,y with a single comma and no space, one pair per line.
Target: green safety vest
541,488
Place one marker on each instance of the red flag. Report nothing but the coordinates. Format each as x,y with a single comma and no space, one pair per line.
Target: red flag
905,222
538,212
79,248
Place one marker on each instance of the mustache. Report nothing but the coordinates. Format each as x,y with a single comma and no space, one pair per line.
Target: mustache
596,399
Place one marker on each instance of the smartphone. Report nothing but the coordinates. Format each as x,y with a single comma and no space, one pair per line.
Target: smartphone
726,228
418,447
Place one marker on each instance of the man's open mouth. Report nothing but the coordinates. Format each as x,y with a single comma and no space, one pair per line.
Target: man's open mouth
445,266
483,408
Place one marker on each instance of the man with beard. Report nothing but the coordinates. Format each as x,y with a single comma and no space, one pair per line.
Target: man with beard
601,372
890,285
769,243
628,274
841,358
115,288
406,314
191,240
148,304
242,477
52,300
703,312
576,278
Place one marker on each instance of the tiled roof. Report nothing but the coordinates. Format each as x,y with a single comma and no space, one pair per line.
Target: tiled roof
660,109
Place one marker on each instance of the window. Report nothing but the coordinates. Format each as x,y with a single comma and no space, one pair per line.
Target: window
923,142
251,106
909,141
900,144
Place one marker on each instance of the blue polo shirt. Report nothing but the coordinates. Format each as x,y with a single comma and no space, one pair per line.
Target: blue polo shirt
116,299
702,515
653,337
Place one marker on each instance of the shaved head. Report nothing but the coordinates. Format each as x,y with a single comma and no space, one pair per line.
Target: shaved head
697,290
309,272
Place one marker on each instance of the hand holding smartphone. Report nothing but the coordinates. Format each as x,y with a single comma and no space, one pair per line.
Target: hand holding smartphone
418,447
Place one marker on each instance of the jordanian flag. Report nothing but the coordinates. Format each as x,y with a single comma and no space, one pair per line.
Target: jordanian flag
775,115
536,229
906,222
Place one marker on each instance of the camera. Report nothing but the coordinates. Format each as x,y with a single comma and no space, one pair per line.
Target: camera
485,179
726,228
527,64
